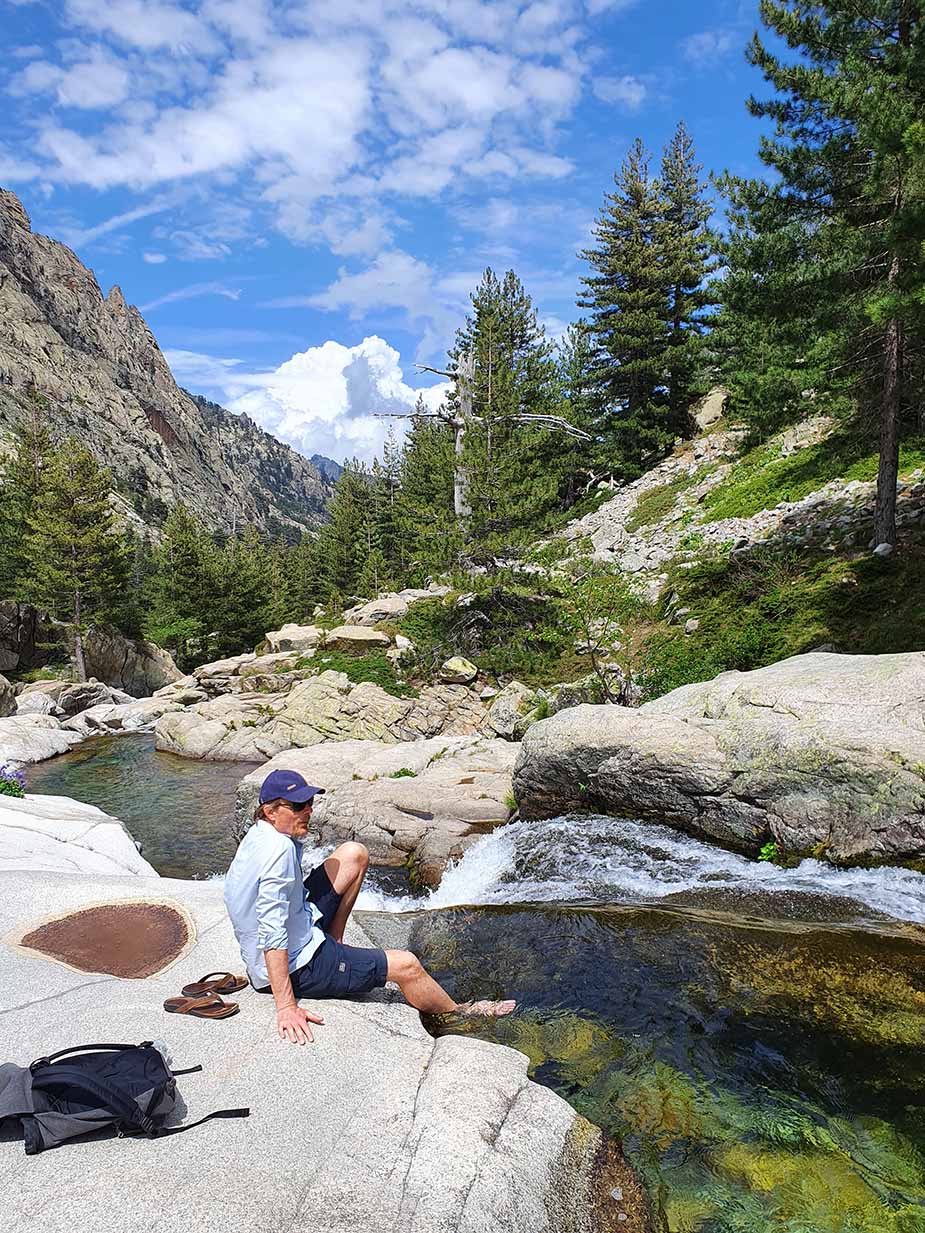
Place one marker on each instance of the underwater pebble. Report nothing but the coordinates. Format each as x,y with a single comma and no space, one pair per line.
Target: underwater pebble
616,1194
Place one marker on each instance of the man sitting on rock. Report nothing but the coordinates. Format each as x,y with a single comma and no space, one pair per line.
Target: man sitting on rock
291,932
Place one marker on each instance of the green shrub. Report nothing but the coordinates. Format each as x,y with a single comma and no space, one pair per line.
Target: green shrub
404,773
374,667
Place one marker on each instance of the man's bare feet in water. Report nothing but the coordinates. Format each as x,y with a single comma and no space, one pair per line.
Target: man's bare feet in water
484,1009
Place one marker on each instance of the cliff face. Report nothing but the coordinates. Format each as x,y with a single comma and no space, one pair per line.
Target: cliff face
105,381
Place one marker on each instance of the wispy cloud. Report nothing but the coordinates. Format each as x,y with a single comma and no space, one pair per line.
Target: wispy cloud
192,292
708,46
76,236
627,91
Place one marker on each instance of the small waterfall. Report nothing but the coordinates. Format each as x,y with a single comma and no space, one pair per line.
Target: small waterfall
601,860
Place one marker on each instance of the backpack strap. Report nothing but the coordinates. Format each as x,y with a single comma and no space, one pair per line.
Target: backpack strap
178,1130
52,1057
126,1110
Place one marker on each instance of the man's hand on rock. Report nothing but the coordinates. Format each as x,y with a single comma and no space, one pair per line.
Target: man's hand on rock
292,1024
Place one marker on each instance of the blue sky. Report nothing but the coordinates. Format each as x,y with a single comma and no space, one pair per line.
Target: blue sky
300,196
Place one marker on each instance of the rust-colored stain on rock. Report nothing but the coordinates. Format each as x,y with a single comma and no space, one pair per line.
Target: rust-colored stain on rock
122,939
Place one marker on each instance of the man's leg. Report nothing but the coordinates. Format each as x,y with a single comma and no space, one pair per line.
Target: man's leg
423,992
346,868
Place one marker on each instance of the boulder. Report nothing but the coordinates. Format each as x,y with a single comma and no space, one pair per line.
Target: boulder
53,834
33,738
36,704
357,639
711,408
221,668
294,638
819,753
422,802
84,694
391,607
7,697
267,665
136,666
51,689
513,711
458,671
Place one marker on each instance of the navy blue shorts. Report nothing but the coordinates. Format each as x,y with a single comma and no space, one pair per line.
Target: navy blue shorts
335,970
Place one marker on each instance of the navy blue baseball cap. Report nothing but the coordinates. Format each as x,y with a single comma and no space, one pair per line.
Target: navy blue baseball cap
289,785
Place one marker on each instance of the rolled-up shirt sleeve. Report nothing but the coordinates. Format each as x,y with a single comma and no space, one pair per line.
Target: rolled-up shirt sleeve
273,893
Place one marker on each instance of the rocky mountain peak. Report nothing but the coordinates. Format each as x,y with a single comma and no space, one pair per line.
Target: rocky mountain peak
13,211
99,373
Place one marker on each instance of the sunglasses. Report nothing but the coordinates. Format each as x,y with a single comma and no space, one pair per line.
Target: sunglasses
299,806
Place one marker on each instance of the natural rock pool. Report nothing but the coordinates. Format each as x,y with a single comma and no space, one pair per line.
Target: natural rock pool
755,1036
180,810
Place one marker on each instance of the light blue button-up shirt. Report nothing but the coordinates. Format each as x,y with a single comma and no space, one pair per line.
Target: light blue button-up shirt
267,902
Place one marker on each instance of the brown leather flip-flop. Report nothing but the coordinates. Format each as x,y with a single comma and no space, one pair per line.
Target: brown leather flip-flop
216,982
209,1007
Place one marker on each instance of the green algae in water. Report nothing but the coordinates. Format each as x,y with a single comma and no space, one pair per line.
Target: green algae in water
761,1079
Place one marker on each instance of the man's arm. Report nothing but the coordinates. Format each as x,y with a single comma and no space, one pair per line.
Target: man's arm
291,1020
272,935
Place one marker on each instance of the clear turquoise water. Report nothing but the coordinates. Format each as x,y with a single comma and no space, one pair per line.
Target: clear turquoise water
179,809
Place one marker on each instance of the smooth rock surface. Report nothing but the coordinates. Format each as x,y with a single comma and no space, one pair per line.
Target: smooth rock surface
374,1127
138,716
458,789
820,753
33,738
57,834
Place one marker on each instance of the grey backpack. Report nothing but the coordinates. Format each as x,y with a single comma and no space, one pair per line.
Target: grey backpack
129,1088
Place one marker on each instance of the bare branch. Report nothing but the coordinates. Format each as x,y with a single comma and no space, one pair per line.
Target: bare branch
436,371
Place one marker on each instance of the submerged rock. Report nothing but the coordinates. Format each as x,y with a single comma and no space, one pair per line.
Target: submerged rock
818,753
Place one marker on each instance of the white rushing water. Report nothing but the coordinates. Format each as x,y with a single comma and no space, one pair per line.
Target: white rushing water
601,860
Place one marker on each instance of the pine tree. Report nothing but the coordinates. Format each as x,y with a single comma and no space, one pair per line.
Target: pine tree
627,296
75,552
241,593
342,541
688,249
849,148
508,463
181,609
579,405
428,538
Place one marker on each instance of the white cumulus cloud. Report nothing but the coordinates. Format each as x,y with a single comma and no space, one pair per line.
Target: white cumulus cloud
330,399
